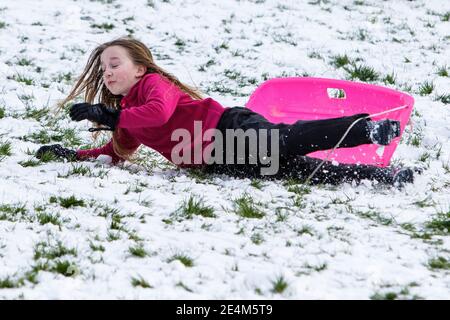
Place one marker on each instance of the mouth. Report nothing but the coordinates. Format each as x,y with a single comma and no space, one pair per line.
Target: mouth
110,82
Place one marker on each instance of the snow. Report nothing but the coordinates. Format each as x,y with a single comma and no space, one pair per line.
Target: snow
344,242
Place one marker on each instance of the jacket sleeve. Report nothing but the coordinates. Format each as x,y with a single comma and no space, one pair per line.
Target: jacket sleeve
125,139
161,99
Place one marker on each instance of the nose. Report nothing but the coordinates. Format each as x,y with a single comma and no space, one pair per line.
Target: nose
107,73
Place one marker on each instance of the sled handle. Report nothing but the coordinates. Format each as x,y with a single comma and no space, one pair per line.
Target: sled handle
335,93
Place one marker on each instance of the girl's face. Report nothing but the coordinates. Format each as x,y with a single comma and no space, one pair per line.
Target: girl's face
119,71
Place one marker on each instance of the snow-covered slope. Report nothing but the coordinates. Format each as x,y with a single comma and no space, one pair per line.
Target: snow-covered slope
90,230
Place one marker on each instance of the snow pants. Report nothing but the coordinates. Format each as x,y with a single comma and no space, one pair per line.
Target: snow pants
294,142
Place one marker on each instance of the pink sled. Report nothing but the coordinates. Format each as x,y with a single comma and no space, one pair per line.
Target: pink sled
286,100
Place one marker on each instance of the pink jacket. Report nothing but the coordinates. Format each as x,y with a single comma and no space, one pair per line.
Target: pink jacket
151,111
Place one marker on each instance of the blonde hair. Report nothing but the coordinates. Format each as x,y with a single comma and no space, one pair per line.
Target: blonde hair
91,82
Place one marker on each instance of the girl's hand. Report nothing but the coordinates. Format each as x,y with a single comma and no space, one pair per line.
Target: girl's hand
57,151
98,113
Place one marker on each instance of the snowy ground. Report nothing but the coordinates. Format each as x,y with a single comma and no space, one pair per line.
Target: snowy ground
88,230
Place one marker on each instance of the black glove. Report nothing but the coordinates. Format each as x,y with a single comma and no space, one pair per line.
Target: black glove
57,151
97,113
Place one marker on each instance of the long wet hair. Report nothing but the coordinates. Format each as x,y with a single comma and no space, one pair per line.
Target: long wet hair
91,82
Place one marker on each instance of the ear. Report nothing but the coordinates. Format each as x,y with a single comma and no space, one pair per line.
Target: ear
141,71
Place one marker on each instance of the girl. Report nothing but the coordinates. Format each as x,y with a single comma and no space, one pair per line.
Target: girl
143,104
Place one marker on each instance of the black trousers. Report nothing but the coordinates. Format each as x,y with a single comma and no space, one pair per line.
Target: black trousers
295,141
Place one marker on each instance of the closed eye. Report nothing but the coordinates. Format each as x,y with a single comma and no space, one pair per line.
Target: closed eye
113,67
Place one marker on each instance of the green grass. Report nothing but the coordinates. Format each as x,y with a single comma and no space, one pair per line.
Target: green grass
63,77
282,214
36,114
80,170
67,202
12,212
194,206
390,78
5,150
106,211
257,238
45,157
426,88
241,80
362,34
66,268
362,72
103,26
183,286
138,251
43,137
246,208
440,223
340,61
319,267
375,216
184,259
22,79
415,139
299,202
442,71
385,296
104,1
444,98
30,163
439,263
180,44
223,46
116,222
279,285
406,87
285,37
206,65
422,235
446,167
8,283
113,235
425,156
136,187
257,184
67,136
314,55
44,250
45,218
2,113
305,230
26,100
140,282
31,276
223,88
24,62
426,202
299,189
133,235
77,170
96,247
